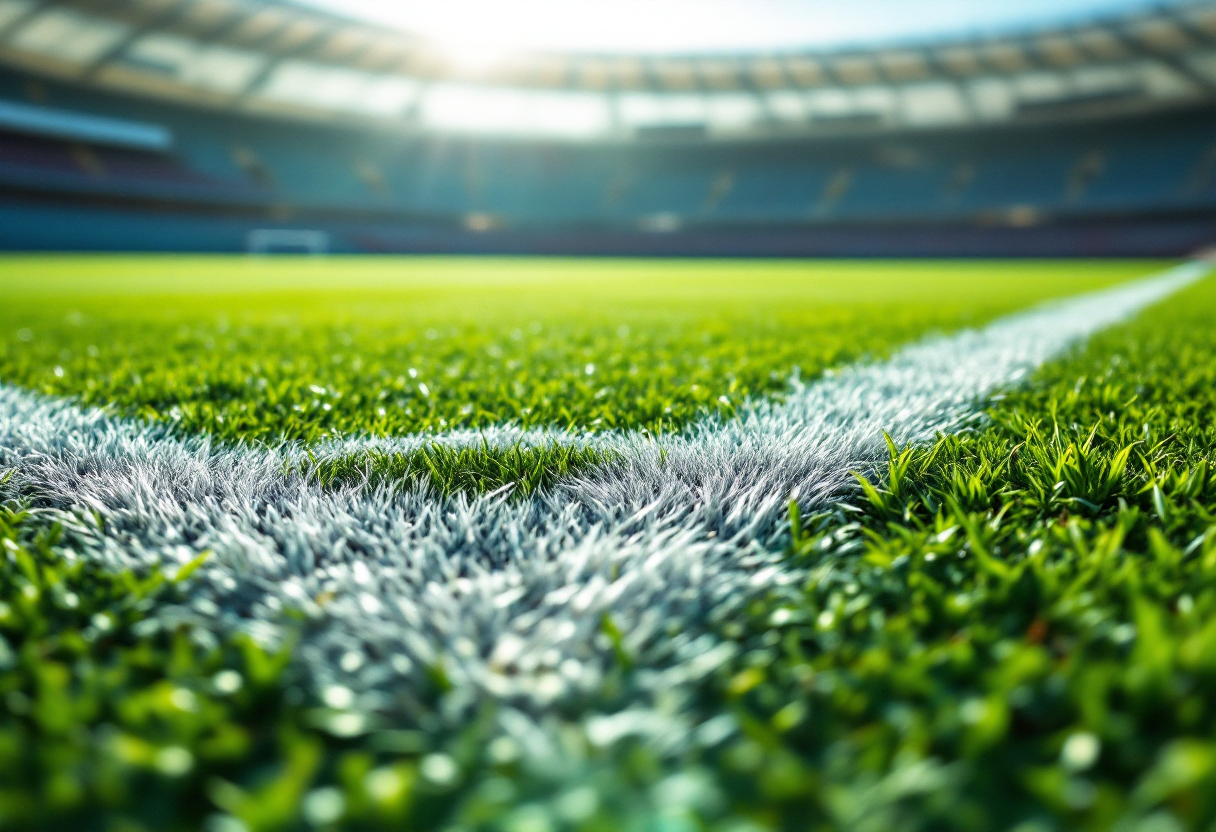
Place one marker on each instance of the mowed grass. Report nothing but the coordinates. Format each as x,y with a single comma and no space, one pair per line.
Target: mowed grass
302,349
1013,629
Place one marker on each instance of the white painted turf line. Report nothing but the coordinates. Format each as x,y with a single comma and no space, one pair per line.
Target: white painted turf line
510,596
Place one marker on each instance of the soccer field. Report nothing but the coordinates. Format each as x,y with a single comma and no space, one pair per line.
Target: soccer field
533,545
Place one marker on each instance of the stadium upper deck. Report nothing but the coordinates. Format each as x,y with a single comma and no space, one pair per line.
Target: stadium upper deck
273,57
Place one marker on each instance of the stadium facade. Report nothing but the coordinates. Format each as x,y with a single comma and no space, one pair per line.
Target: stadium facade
230,125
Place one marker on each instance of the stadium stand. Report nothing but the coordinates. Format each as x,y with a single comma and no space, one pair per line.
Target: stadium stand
196,124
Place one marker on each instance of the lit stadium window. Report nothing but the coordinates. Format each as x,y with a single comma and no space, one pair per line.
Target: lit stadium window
830,102
389,96
469,108
69,36
1040,86
787,105
641,109
993,98
653,110
933,104
210,67
733,112
328,88
878,100
316,85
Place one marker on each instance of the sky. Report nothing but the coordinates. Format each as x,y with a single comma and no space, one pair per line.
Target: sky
480,28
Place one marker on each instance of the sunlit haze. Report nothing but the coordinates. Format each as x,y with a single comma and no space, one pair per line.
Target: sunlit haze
479,30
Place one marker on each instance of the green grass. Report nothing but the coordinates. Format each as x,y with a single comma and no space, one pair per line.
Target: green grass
108,723
1011,630
448,471
97,712
1016,628
264,350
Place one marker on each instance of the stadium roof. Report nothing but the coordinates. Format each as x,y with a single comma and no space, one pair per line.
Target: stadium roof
276,57
479,30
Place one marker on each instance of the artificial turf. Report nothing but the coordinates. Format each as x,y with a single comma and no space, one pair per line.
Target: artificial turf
1016,628
481,469
307,350
1011,630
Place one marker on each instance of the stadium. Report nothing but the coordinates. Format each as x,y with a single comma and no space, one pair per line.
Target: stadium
192,126
656,415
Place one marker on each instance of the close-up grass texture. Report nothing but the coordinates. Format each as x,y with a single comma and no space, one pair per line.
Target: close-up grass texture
449,471
585,546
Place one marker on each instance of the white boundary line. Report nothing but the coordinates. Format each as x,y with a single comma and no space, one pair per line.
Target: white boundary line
509,596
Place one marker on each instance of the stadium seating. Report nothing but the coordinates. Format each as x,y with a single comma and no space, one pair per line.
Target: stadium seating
365,187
